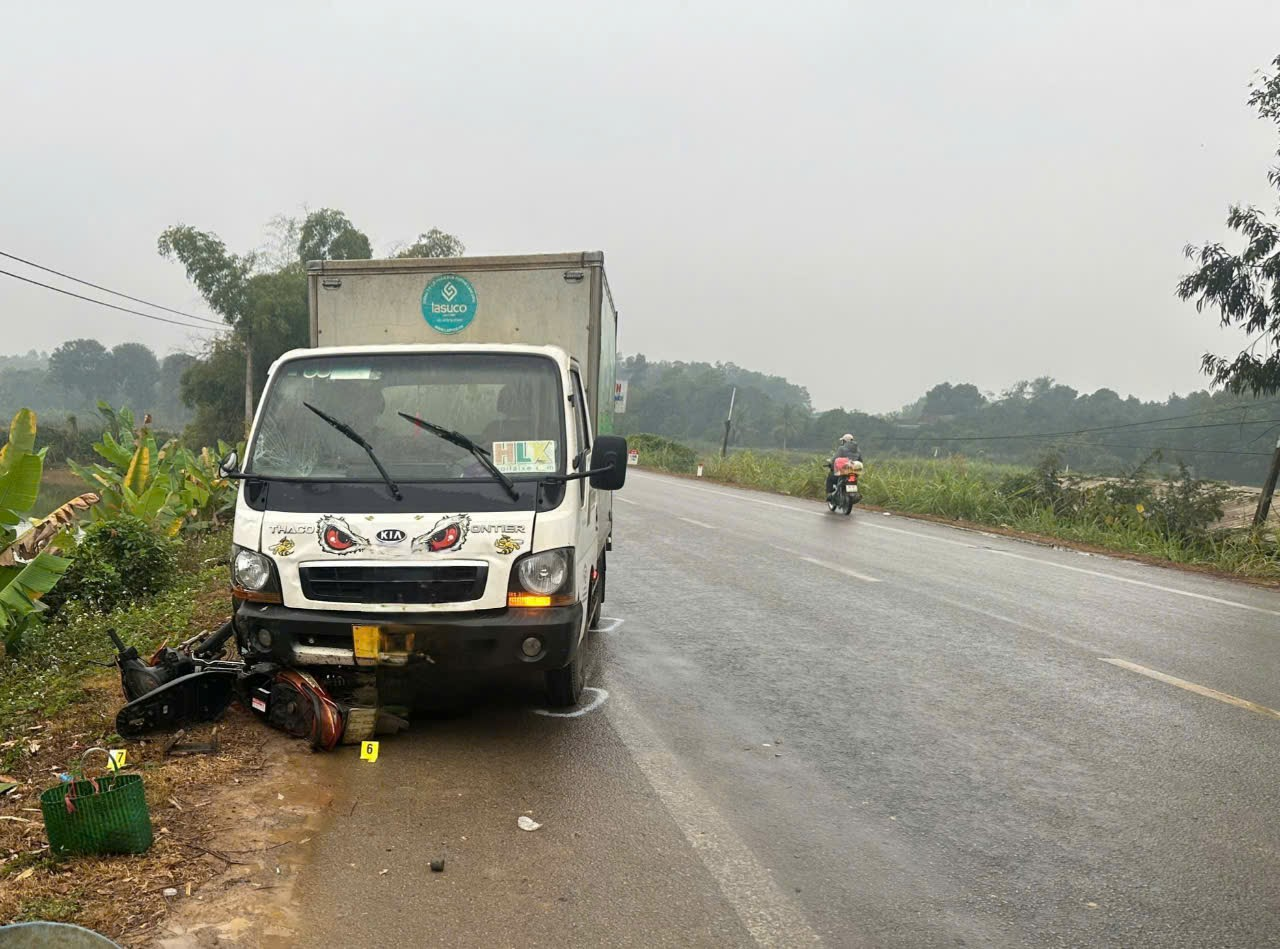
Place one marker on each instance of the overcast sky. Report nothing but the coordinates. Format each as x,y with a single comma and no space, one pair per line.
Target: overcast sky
868,198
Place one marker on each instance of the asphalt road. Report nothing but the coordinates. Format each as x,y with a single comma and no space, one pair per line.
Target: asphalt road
852,732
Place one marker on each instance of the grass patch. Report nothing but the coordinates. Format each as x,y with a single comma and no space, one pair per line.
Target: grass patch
48,909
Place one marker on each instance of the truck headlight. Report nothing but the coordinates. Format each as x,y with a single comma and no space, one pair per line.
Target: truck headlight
544,573
250,570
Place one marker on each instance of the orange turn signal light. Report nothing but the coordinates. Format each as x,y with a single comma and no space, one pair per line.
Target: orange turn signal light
256,596
527,600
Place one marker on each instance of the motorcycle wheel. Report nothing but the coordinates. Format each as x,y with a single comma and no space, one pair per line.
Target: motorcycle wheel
831,503
847,506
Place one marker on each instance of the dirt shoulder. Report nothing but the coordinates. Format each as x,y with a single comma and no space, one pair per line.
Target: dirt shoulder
226,827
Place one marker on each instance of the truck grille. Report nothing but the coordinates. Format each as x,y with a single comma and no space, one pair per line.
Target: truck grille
420,584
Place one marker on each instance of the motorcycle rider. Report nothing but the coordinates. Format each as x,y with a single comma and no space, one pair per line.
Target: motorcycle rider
847,448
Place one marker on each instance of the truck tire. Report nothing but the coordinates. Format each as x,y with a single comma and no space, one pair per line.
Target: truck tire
565,685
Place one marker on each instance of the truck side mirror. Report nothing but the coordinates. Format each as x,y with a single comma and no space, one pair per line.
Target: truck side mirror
229,465
609,462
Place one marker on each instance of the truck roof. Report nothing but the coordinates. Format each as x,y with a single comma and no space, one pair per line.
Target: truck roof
555,352
458,264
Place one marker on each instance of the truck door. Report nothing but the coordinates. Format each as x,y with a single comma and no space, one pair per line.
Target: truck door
587,495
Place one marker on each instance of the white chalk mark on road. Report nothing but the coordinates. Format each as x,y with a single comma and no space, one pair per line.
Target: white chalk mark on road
601,696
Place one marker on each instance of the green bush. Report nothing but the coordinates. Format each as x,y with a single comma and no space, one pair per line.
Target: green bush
1043,487
117,561
658,452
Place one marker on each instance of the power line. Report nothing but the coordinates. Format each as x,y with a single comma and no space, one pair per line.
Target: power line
31,263
148,316
1205,451
1086,431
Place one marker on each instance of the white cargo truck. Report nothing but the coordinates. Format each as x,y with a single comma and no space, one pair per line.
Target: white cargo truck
429,485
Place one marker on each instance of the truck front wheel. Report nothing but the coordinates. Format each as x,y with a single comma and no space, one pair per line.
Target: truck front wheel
565,685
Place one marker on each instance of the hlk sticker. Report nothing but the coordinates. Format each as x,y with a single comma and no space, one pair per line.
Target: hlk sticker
449,533
391,535
283,547
507,545
337,537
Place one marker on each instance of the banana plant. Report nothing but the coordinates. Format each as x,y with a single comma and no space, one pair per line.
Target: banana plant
168,486
138,478
28,570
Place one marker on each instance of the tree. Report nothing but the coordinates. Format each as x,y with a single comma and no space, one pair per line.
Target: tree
136,371
329,235
83,365
1245,288
223,280
946,399
170,411
211,387
791,422
434,243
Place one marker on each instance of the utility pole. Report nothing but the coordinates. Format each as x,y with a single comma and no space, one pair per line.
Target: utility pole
1268,489
724,448
248,383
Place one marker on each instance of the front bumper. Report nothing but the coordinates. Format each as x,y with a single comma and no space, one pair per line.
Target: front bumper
490,640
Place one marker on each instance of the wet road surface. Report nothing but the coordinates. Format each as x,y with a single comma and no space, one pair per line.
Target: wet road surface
850,732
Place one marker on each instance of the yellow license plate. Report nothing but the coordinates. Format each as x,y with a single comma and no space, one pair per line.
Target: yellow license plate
368,641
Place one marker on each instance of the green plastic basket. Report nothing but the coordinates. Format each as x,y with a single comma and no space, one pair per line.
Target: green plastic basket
97,815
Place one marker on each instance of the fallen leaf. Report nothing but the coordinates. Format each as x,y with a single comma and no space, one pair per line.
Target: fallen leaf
24,874
20,820
381,873
527,823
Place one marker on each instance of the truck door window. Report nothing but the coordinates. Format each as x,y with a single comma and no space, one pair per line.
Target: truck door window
582,414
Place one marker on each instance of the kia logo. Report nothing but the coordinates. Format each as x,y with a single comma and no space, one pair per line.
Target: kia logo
391,536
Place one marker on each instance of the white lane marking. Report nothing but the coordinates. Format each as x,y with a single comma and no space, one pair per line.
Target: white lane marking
690,520
624,501
940,540
768,915
736,497
601,696
839,569
1003,553
1018,623
608,625
1192,687
1137,583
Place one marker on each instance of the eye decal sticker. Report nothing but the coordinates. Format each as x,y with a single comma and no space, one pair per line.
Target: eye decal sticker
337,537
449,533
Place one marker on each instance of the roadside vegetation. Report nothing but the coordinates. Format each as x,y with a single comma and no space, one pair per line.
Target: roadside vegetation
1174,518
135,542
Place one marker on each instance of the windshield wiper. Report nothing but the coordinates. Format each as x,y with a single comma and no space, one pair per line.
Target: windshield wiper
352,434
457,438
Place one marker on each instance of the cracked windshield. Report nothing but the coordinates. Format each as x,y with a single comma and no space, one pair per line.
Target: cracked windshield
673,474
507,405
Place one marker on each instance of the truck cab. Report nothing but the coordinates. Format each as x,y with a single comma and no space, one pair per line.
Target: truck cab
436,506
